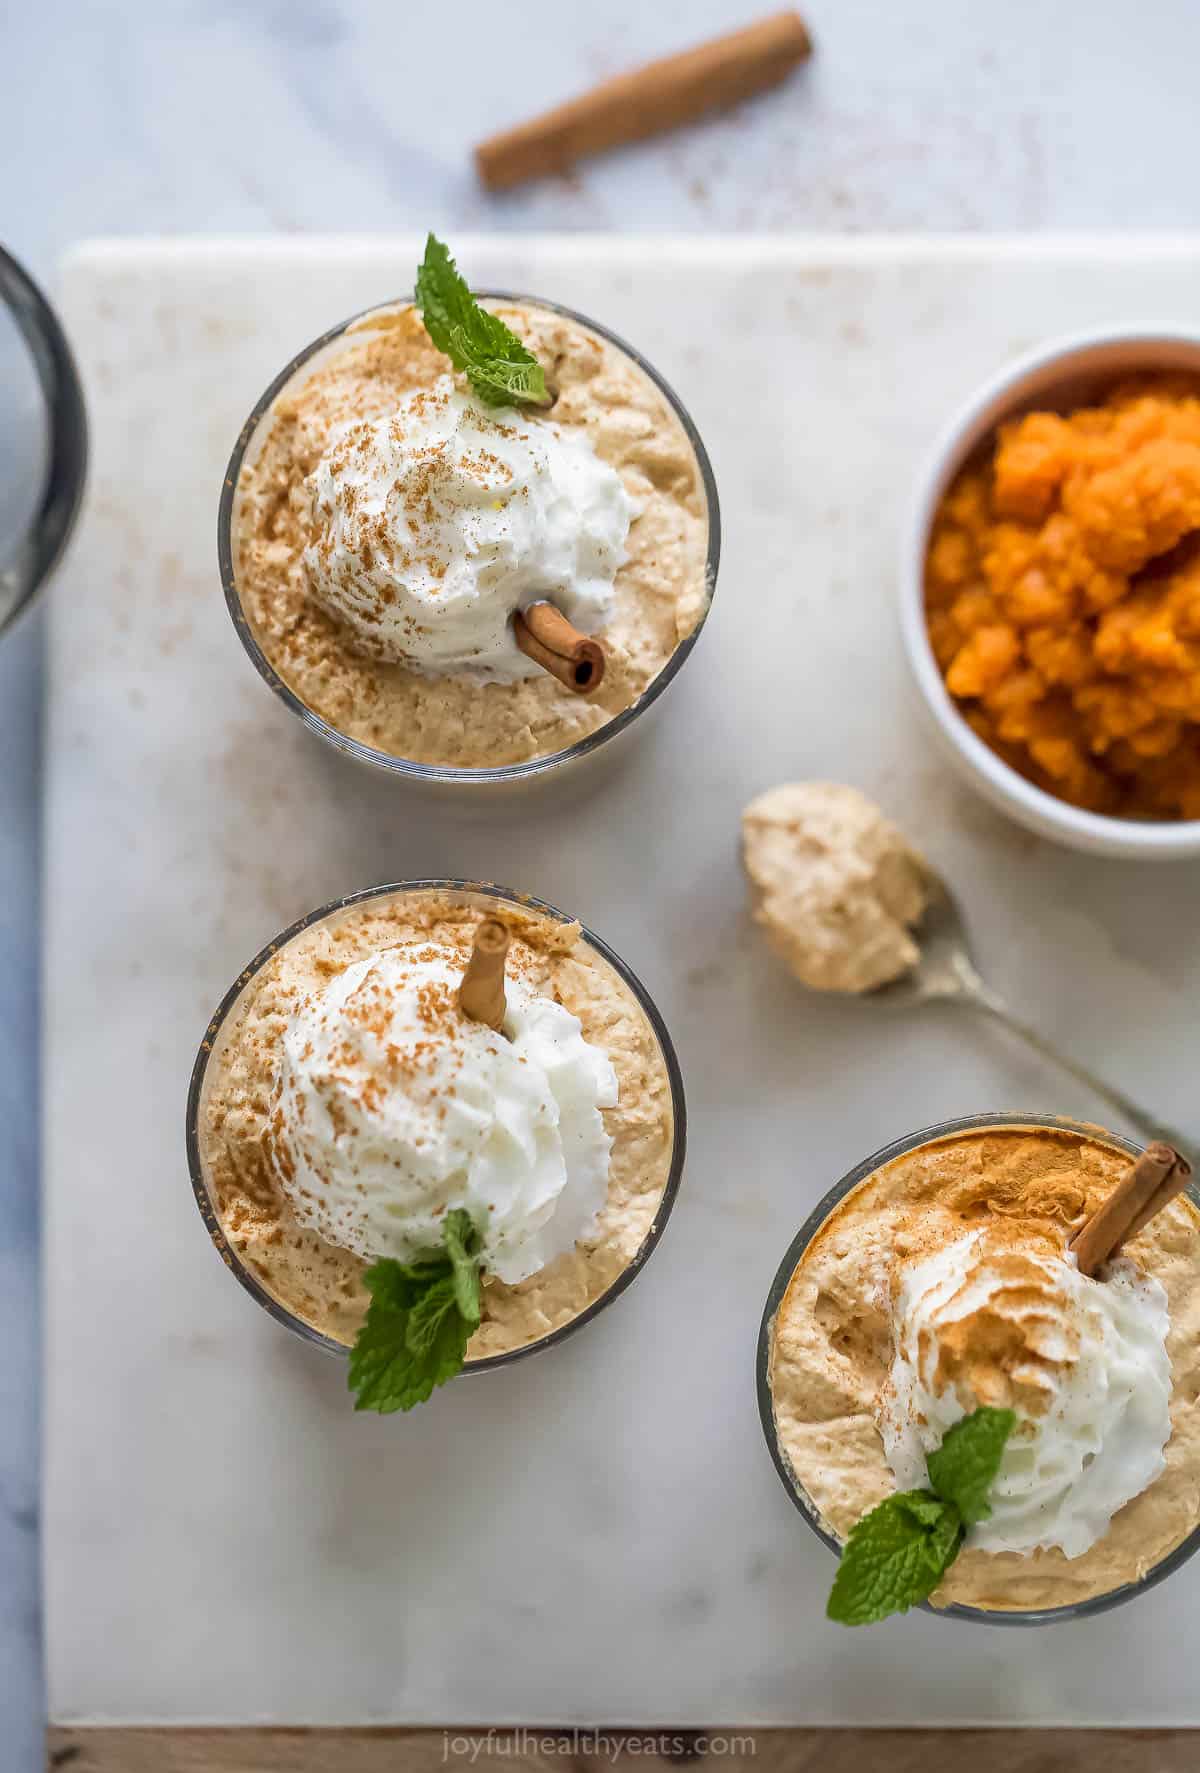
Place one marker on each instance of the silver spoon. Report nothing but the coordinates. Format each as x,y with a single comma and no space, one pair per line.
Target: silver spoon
945,973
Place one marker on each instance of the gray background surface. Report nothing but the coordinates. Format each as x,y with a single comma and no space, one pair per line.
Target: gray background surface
254,114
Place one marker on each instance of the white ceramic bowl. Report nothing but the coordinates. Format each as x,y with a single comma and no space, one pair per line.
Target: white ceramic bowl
1056,376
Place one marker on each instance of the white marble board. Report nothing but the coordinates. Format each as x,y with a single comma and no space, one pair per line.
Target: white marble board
596,1535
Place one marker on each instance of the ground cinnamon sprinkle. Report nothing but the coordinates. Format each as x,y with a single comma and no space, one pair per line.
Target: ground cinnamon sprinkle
661,590
1062,589
240,1129
1022,1192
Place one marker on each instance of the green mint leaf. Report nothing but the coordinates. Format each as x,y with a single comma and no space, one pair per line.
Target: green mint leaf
925,1508
419,1321
436,1335
462,1243
384,1375
897,1554
946,1532
964,1467
498,366
443,297
426,1317
894,1558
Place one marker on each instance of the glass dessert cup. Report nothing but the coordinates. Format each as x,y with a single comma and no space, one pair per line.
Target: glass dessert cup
837,1194
253,433
484,898
43,440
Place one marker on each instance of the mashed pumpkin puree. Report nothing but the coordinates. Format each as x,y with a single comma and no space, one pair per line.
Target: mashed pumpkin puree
1062,590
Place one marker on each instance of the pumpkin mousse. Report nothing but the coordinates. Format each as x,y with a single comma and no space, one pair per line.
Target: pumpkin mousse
389,531
836,888
944,1282
350,1105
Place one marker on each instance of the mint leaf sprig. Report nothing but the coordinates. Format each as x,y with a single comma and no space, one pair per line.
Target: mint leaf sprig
419,1321
897,1554
498,366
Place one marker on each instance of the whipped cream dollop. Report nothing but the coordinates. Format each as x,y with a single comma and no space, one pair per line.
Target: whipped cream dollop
1082,1362
433,524
393,1107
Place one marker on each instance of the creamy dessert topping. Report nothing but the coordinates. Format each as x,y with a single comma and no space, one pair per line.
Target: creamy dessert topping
393,1108
417,702
1082,1362
353,1120
433,523
948,1282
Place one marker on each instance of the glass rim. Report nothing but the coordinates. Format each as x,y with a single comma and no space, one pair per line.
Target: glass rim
406,767
523,902
35,554
1103,1603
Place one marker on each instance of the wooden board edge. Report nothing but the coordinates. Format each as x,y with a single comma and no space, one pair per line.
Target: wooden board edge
540,1749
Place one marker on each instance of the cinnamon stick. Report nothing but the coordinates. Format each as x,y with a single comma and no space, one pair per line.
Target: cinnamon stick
1164,1194
544,634
481,994
662,95
1156,1178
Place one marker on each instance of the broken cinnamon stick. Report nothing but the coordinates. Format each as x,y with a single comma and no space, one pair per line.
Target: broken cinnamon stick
1156,1178
481,994
544,635
662,95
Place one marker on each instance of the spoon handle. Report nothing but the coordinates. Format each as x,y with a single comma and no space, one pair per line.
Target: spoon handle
983,998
